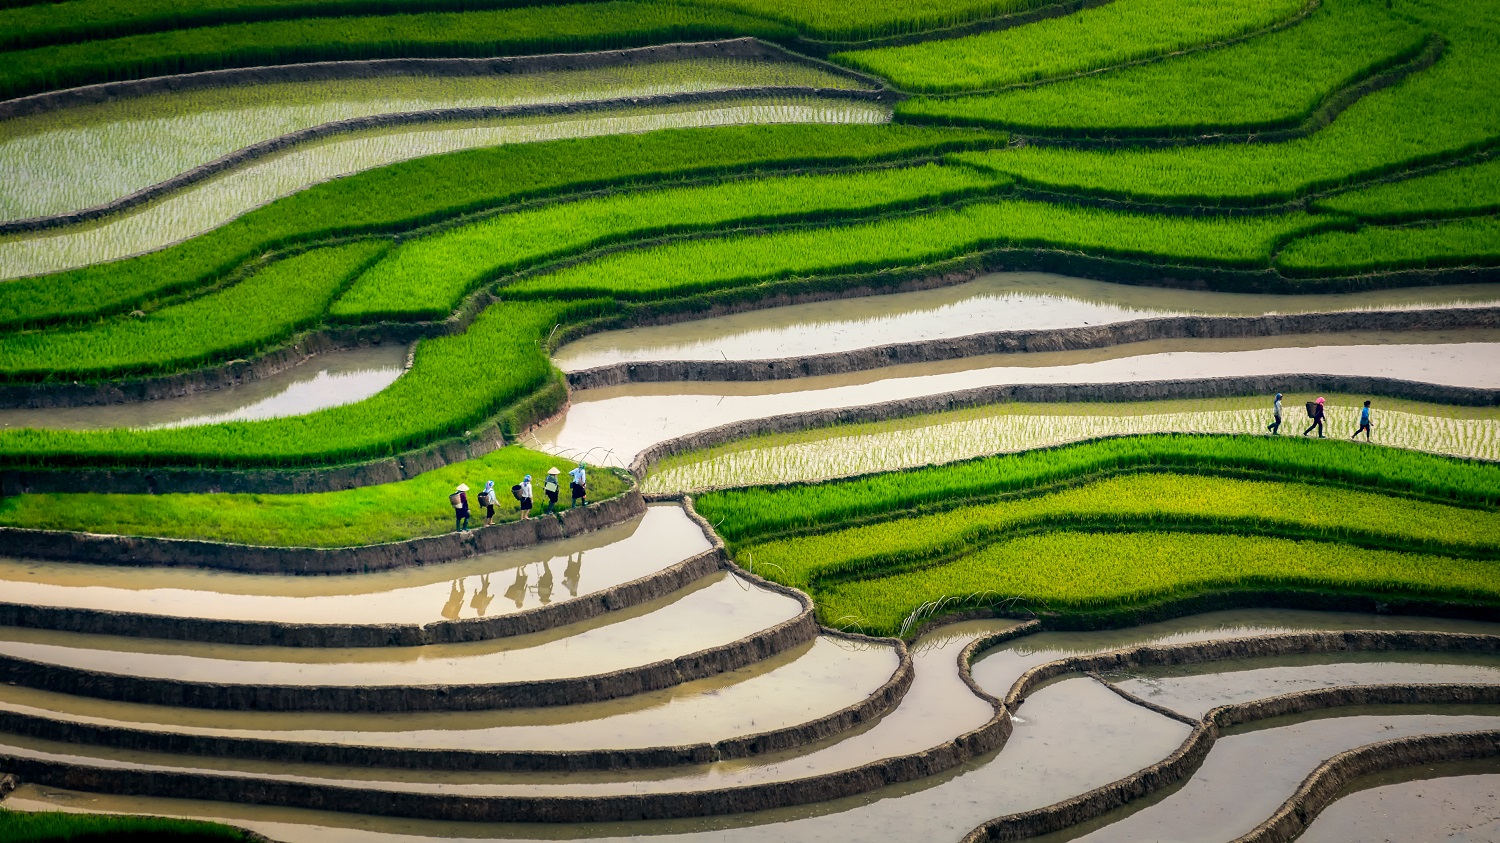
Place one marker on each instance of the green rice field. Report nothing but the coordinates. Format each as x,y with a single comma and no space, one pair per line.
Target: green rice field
820,219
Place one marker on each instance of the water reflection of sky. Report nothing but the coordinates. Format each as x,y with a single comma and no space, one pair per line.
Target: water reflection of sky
1012,301
327,380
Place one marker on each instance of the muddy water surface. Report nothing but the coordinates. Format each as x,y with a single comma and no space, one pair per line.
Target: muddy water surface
1006,301
1249,774
1195,689
1458,803
797,686
714,612
624,420
484,586
327,380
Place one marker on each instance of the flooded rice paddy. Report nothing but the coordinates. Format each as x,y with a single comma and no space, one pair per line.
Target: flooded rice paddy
1070,736
1005,301
848,450
326,380
482,586
714,612
72,158
1457,802
625,420
209,204
797,686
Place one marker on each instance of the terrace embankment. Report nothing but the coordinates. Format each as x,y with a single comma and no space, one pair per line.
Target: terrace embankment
427,550
1408,804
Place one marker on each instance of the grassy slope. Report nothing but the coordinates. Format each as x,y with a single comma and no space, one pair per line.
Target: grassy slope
750,514
368,515
47,827
427,277
1452,191
423,190
1461,242
1273,80
1092,572
718,263
1117,32
1440,113
262,310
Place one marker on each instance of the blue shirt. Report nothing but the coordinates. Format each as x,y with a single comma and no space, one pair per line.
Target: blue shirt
1364,415
580,477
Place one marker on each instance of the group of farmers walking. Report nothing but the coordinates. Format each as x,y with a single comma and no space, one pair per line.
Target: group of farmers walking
1315,412
578,483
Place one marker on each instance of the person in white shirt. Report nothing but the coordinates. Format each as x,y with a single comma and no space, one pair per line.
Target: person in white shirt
526,497
579,485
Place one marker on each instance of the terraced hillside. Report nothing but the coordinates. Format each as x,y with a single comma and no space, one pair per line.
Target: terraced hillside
919,358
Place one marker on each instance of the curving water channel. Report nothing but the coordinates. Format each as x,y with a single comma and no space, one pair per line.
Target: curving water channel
211,203
625,420
71,158
1070,736
317,383
1458,802
1003,301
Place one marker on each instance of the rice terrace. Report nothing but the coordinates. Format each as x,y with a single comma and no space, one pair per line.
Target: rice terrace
750,420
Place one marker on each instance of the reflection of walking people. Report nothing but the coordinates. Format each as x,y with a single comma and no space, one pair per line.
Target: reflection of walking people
1364,423
572,572
517,590
550,488
526,497
487,500
579,485
1275,426
482,597
544,584
455,603
460,501
1315,411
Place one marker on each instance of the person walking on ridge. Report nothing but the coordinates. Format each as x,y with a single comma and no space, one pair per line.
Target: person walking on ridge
487,500
579,485
1315,411
526,498
1275,426
550,489
460,501
1364,423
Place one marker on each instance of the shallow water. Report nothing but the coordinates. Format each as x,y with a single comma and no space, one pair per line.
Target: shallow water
1070,736
326,380
1457,802
625,420
126,144
209,204
807,682
1006,301
714,612
1249,774
1195,689
482,586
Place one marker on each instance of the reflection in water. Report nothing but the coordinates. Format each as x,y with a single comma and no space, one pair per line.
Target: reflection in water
1008,301
544,584
482,597
455,603
327,380
570,574
517,590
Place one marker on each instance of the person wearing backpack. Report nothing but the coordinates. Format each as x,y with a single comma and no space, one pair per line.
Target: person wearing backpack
579,485
1315,412
1364,423
1275,426
487,500
550,488
526,497
460,501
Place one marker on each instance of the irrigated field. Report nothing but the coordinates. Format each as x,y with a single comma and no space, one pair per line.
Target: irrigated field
920,358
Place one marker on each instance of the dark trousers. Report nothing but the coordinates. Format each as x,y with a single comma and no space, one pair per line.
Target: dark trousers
1365,429
1317,423
1275,426
551,500
460,519
579,494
